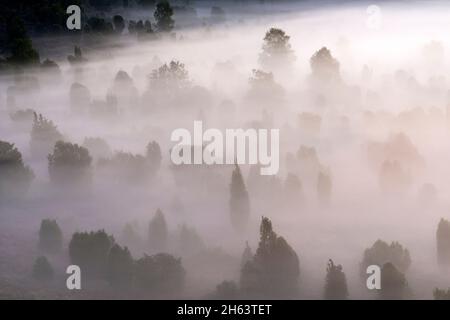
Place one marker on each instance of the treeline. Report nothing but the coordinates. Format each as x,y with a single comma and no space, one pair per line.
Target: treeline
272,271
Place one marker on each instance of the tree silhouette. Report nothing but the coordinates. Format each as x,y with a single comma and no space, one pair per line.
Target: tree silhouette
50,236
44,135
274,270
69,163
89,250
441,294
190,240
247,255
276,50
42,270
15,177
335,282
163,15
154,157
324,188
119,267
381,253
443,242
239,201
160,273
393,283
226,290
119,24
158,232
21,47
324,67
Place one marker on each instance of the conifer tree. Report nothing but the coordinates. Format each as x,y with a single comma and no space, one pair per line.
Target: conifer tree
335,282
239,201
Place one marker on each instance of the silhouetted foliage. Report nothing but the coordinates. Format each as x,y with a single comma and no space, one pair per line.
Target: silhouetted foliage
335,282
98,25
77,57
393,283
119,267
20,45
381,253
50,236
42,270
119,24
239,201
158,232
126,167
247,255
163,16
443,242
15,177
190,240
169,79
226,290
324,67
274,270
276,50
146,3
324,188
441,294
98,147
89,250
44,135
80,98
154,156
160,273
69,163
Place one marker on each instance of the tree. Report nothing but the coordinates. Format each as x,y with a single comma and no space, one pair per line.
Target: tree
190,241
69,163
98,147
381,253
51,67
21,47
119,24
80,98
276,50
393,283
439,294
443,242
264,90
131,237
44,135
126,167
157,232
146,3
15,177
324,187
89,250
170,79
226,290
42,270
160,273
50,236
274,270
163,15
335,282
239,201
119,267
324,67
154,157
77,57
247,255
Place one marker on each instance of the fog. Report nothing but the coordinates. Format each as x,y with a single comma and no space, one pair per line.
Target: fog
378,133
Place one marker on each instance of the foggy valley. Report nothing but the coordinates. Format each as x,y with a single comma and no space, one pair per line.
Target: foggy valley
359,94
